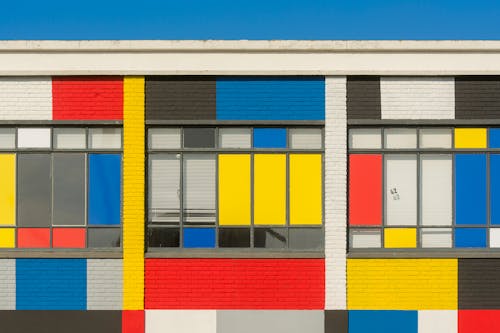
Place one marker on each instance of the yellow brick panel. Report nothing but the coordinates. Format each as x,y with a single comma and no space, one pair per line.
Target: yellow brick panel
470,137
133,193
402,284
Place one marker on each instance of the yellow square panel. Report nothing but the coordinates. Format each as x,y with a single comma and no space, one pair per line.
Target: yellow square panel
470,138
7,238
397,238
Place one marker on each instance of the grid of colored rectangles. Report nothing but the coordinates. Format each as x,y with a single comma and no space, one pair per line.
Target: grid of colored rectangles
429,187
60,187
235,187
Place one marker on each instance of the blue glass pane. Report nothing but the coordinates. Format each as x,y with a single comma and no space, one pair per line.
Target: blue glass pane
470,188
269,138
104,189
470,237
199,237
383,321
494,138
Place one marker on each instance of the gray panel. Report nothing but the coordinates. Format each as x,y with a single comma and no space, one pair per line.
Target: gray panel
34,190
306,238
363,97
336,321
69,189
54,321
104,237
7,285
273,321
477,97
199,137
104,284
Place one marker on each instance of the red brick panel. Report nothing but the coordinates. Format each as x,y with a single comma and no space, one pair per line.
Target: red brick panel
133,321
87,98
478,321
235,284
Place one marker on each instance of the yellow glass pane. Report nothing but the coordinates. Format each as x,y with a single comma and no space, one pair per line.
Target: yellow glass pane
400,238
7,238
7,189
470,138
269,189
234,189
305,189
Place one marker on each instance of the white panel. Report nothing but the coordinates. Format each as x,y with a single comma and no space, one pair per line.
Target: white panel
365,138
164,138
70,138
199,187
7,138
400,138
365,239
495,237
305,138
164,187
417,97
33,137
235,138
437,321
436,238
437,197
401,189
105,138
435,138
181,321
25,98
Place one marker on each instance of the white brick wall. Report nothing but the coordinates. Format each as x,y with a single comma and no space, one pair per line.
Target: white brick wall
25,98
417,97
104,284
7,284
335,192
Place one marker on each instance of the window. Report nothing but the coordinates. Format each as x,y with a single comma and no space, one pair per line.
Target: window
235,187
424,188
57,190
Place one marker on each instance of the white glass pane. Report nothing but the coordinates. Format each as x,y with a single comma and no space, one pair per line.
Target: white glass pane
305,138
164,187
495,237
164,138
69,138
435,138
235,138
365,138
199,188
401,189
33,138
436,173
7,138
400,138
105,138
365,239
436,237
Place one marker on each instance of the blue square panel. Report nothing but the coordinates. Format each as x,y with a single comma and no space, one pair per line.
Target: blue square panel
199,237
269,138
494,138
470,237
383,321
51,284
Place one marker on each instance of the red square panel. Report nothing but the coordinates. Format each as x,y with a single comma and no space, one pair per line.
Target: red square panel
478,321
68,238
33,237
87,98
133,321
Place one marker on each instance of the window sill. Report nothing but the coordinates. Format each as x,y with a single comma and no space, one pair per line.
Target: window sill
61,253
423,254
233,253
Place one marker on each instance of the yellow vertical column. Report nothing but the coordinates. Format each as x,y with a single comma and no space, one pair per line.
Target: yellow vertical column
133,193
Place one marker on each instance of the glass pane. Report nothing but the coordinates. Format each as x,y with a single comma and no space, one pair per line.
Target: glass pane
436,180
33,137
163,237
365,138
104,237
199,137
105,138
234,237
270,238
436,237
400,138
34,190
435,138
164,187
365,239
401,189
306,238
7,138
164,138
69,189
306,138
70,138
235,138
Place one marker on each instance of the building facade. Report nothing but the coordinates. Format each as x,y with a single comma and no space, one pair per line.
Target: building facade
250,186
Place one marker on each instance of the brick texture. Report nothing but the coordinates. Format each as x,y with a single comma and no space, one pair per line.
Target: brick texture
104,284
25,98
234,284
7,284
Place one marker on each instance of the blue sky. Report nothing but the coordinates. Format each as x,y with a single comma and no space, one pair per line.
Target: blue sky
250,19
